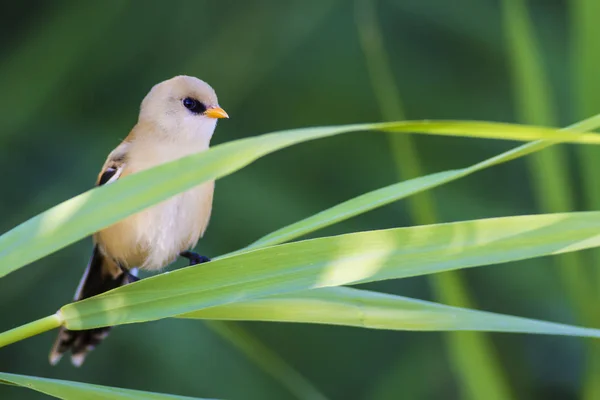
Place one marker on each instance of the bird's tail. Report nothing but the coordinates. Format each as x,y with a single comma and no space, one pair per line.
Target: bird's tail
99,277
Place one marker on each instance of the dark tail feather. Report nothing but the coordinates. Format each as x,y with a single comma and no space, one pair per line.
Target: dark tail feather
99,277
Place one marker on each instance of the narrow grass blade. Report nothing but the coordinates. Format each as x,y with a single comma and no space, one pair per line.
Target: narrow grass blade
549,168
100,207
585,57
249,71
474,363
69,390
366,309
389,194
586,63
335,261
266,359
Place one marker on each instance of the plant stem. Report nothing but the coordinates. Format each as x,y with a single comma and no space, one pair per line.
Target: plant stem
31,329
266,359
585,57
475,363
549,169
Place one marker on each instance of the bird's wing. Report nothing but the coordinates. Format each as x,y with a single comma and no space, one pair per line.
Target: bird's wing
98,278
110,172
114,165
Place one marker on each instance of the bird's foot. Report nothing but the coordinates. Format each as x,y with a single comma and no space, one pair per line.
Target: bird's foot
194,258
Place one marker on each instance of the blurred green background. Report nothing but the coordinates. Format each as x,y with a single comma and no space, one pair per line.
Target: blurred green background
73,74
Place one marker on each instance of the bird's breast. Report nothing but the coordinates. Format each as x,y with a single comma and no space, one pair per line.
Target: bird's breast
153,238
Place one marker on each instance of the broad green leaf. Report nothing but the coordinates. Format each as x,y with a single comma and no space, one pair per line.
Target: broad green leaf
335,261
366,309
69,390
100,207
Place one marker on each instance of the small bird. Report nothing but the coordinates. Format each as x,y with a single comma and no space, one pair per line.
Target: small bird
177,118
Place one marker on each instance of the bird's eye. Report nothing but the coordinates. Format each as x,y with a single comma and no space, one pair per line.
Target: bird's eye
194,105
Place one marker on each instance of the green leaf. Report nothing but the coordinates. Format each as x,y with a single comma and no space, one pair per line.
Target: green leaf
473,361
267,359
584,31
69,390
356,206
549,169
101,207
366,309
585,62
389,194
335,261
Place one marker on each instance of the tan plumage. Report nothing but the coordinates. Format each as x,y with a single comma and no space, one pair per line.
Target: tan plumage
177,118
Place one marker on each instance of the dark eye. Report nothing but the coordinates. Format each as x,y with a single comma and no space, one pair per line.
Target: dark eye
194,105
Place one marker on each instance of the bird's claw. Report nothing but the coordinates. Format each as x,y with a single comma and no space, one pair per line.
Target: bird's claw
194,258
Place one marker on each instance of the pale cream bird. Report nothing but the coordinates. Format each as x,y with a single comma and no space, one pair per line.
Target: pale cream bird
177,118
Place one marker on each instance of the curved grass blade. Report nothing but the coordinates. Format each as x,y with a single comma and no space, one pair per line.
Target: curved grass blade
473,361
366,309
549,169
267,359
69,390
335,261
389,194
250,72
100,207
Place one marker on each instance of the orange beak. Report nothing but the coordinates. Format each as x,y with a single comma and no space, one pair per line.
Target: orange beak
216,112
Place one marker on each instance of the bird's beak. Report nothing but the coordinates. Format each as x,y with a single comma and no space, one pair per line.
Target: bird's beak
216,112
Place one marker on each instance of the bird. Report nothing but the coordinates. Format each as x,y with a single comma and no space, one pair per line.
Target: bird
177,118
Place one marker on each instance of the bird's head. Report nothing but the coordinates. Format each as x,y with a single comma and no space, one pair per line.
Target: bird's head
182,107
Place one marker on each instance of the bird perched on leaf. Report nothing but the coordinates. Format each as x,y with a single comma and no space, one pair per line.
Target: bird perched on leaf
177,118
